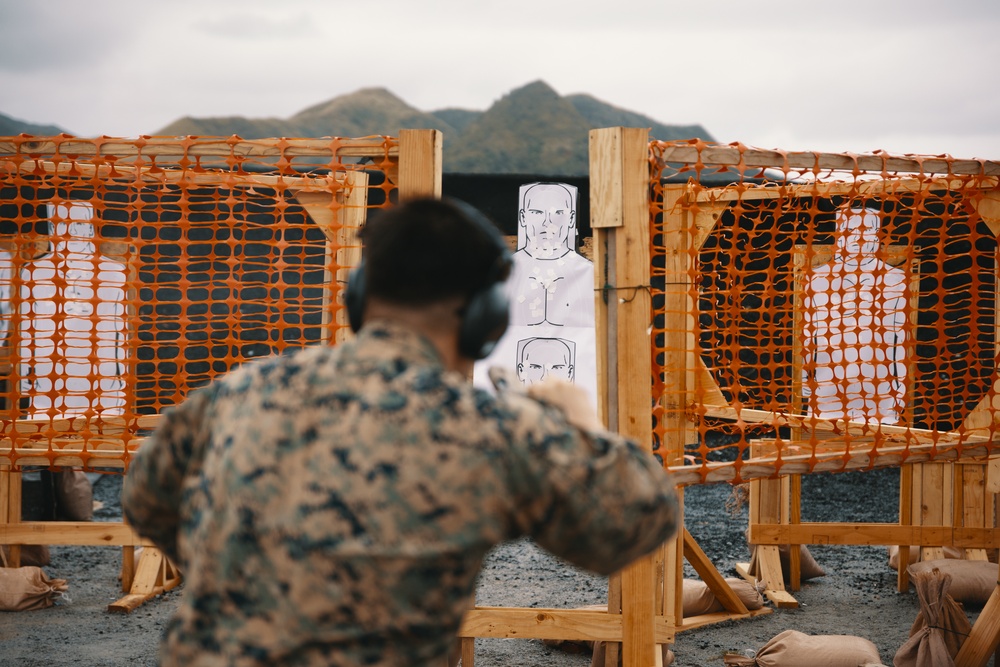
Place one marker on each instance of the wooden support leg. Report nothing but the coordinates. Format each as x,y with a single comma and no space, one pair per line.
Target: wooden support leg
984,639
710,575
971,506
613,649
128,568
766,566
791,502
638,645
154,575
765,508
468,652
10,508
905,519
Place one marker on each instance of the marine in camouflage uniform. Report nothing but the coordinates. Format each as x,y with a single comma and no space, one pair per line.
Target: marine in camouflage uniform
333,506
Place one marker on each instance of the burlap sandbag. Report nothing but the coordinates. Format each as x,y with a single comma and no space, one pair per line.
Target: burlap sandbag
698,598
31,554
940,628
949,552
808,567
972,581
74,495
599,657
792,648
27,588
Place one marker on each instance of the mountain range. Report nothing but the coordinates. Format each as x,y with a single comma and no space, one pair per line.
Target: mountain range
530,130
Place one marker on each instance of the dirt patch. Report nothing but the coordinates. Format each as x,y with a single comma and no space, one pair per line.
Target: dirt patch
857,596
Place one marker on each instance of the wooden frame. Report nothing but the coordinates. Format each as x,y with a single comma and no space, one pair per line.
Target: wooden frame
964,510
336,203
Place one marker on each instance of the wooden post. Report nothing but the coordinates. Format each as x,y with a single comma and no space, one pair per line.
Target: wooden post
10,507
619,200
340,215
419,164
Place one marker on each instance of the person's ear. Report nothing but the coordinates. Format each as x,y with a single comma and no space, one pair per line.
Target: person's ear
520,218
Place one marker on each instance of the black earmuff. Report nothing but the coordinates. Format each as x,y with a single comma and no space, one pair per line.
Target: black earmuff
354,297
486,315
484,320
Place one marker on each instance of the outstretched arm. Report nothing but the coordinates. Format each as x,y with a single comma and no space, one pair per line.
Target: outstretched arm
588,495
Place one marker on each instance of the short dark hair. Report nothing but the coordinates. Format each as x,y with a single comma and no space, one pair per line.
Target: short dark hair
427,250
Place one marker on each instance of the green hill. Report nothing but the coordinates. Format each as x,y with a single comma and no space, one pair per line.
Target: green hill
530,130
12,126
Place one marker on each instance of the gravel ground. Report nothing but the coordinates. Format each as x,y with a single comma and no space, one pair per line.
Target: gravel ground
856,597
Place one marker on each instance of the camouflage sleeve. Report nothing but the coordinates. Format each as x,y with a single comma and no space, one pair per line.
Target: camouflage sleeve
594,499
154,483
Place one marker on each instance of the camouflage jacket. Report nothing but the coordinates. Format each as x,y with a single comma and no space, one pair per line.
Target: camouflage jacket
333,506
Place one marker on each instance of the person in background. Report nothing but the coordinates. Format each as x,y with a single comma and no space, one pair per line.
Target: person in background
333,506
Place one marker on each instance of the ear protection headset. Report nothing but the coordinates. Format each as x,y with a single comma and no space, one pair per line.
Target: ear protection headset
486,315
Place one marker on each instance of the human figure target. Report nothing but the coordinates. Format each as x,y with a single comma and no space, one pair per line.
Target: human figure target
855,328
551,292
72,321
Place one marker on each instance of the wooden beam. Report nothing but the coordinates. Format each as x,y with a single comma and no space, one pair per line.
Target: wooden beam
862,456
619,180
875,187
984,639
147,176
104,147
571,624
82,533
742,156
875,534
606,178
694,622
710,575
419,164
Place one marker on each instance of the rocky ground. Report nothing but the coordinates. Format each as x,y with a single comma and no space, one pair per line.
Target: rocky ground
856,597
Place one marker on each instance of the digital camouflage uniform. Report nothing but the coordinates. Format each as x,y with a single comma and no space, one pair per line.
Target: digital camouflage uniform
333,506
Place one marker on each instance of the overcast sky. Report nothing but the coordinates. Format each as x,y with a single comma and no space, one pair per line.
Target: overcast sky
908,76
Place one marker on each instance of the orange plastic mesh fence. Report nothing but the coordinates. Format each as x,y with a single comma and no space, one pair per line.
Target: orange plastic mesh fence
818,312
133,271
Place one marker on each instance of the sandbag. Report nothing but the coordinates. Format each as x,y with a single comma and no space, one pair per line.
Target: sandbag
972,581
26,588
599,657
698,598
792,648
31,554
940,628
808,567
74,495
949,552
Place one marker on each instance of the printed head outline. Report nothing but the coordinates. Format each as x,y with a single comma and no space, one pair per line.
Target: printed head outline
74,221
547,220
539,358
857,230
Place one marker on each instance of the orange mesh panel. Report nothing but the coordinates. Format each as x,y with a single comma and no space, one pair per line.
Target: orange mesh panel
133,272
841,310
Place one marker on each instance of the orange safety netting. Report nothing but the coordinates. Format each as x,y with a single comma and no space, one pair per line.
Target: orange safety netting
134,271
818,312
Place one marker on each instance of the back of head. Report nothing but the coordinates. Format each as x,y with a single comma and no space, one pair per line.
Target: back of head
428,250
